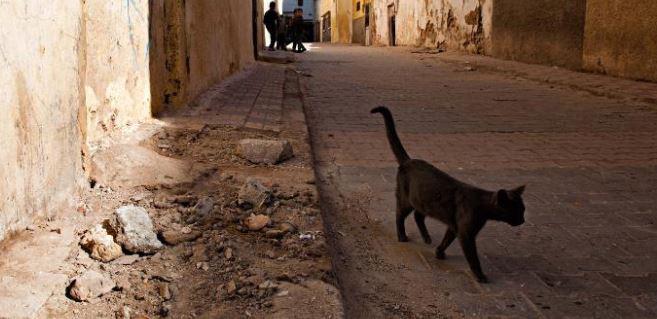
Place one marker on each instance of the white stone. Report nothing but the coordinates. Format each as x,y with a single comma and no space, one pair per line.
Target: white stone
90,285
138,235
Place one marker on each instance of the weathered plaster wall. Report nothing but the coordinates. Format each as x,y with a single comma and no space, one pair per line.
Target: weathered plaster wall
117,85
342,33
195,44
620,38
41,95
447,24
358,31
219,39
540,31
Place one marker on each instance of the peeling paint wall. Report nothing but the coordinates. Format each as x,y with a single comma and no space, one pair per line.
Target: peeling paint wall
74,70
341,18
621,44
117,84
447,24
41,95
195,44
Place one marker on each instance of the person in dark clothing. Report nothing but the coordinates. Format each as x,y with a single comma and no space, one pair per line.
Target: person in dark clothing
271,22
282,38
297,31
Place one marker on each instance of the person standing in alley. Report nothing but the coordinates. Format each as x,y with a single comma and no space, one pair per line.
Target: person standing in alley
271,22
282,37
297,31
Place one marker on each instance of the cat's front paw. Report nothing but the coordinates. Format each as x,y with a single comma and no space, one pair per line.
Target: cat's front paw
402,238
427,240
482,279
440,254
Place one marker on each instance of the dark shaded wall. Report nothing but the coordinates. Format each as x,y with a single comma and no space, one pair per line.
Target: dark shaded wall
539,31
196,44
358,31
620,38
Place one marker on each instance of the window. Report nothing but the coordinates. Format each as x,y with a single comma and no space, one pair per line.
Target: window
357,6
300,3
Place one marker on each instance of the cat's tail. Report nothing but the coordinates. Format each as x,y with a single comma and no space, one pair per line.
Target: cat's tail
393,138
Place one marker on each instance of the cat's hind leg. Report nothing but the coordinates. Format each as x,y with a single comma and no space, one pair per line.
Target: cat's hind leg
419,220
402,213
450,235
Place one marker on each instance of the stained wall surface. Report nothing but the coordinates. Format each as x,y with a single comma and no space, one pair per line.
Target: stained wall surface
541,31
453,24
195,44
117,77
41,97
621,44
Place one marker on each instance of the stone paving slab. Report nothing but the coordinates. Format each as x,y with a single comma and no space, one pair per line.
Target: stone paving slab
589,160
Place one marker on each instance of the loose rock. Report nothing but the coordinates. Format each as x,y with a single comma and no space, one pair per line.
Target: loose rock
201,210
126,260
137,235
260,151
164,291
100,245
231,287
90,285
174,237
287,227
253,194
256,222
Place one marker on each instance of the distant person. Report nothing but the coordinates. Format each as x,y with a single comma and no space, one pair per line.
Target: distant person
282,37
297,31
271,22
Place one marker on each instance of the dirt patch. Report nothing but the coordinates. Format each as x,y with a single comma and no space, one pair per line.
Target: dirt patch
214,266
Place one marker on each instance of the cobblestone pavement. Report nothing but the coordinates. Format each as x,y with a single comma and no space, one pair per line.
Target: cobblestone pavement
589,246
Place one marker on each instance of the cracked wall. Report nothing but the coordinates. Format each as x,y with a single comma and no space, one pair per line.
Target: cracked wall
74,71
445,24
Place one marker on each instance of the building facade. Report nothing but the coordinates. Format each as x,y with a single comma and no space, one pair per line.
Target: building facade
91,68
587,35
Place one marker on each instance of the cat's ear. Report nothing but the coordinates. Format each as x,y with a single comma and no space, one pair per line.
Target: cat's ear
518,190
502,197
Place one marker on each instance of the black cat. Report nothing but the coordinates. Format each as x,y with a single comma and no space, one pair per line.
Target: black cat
465,209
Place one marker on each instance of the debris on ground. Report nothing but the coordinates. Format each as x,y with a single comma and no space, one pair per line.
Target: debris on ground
90,285
137,234
260,151
257,222
254,195
100,245
217,241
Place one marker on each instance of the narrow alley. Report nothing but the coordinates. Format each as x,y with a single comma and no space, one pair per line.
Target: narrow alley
220,159
588,161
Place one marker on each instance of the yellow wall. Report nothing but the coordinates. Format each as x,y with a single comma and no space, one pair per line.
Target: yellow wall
359,13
